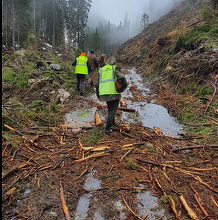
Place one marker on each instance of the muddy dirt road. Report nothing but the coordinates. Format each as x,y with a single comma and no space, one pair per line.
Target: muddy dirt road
74,171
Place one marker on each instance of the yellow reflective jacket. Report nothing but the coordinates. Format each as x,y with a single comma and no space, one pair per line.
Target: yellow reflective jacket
107,79
81,65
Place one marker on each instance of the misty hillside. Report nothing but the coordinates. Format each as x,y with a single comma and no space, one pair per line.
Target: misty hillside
179,54
181,16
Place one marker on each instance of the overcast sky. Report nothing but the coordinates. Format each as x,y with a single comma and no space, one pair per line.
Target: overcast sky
114,10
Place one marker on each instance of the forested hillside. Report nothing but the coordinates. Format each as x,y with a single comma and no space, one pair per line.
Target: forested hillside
61,23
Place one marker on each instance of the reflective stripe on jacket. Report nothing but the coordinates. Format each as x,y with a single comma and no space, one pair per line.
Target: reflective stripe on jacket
81,65
107,79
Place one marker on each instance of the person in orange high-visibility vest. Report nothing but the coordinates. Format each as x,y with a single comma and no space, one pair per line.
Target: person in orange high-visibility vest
82,68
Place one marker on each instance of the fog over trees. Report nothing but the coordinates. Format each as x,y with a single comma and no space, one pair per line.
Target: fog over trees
70,25
120,20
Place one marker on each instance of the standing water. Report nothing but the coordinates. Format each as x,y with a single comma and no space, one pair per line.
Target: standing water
150,114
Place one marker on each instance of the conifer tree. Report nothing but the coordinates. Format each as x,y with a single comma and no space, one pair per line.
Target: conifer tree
96,41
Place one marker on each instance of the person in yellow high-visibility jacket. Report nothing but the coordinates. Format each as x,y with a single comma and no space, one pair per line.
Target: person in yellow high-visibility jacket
105,90
82,68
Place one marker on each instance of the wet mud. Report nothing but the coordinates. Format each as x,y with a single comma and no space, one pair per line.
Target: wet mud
132,178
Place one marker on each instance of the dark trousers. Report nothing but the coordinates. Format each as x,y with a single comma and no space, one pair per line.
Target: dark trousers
80,82
112,108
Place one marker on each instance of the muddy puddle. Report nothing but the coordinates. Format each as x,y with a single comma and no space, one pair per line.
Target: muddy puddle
90,205
150,114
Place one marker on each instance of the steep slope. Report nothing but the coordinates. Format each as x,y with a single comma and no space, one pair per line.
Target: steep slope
179,54
186,13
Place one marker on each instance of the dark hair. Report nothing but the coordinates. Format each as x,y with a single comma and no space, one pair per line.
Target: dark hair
92,51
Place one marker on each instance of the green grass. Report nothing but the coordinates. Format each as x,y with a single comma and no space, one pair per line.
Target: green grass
8,75
94,135
197,35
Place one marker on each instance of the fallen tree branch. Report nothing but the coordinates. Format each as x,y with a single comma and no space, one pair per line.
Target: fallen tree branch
188,209
92,156
214,93
149,162
63,203
130,208
202,208
213,200
212,119
127,109
15,170
128,152
195,146
195,177
196,22
22,135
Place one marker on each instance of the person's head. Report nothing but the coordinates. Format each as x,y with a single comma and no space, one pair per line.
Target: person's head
92,51
83,54
111,60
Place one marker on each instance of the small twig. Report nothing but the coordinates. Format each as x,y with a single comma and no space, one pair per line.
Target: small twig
147,161
130,208
214,93
81,174
23,136
128,152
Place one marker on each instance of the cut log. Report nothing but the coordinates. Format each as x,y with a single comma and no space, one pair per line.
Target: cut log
188,209
98,120
123,103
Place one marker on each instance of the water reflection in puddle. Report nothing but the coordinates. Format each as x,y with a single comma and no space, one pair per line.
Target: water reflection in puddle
151,115
81,117
84,202
119,206
148,205
27,191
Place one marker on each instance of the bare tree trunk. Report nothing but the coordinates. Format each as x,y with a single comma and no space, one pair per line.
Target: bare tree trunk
63,35
13,31
6,28
18,33
53,34
34,17
39,29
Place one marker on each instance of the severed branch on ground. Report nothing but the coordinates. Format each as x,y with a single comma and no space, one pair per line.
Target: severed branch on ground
195,146
22,135
63,203
15,170
214,93
130,208
202,208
